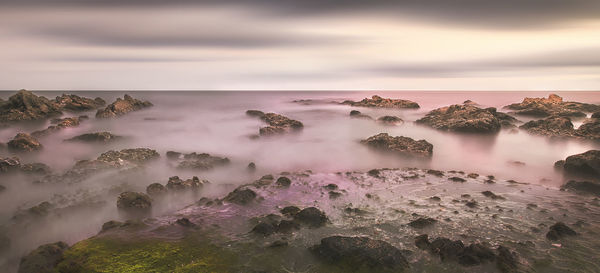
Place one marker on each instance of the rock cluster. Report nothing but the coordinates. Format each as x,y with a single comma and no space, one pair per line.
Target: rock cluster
400,145
278,124
202,161
552,106
122,106
23,142
557,126
467,119
293,218
60,124
379,102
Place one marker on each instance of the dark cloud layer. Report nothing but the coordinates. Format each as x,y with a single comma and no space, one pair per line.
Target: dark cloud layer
475,13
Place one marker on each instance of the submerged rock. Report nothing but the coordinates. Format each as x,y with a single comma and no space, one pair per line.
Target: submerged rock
558,231
401,145
241,196
77,103
379,102
23,142
278,124
467,119
134,202
283,181
122,106
390,120
197,161
60,124
552,106
255,113
103,137
43,259
354,253
24,106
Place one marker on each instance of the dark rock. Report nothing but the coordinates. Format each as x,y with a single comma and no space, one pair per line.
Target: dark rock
156,189
23,142
475,254
8,164
379,102
185,222
358,114
583,165
255,113
361,252
492,195
241,196
435,199
422,222
43,259
103,137
559,165
400,145
201,161
265,180
312,217
264,229
290,210
473,175
331,187
137,155
334,194
36,168
134,202
584,187
422,241
60,124
122,106
446,248
435,172
471,204
284,181
77,103
551,126
552,106
278,124
177,184
24,106
287,226
457,179
466,119
279,243
390,120
373,173
173,155
251,167
111,225
506,260
558,231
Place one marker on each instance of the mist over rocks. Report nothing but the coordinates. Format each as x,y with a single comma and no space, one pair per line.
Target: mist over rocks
134,203
278,124
60,124
77,104
122,106
552,106
467,119
197,161
358,115
379,102
97,137
399,145
586,165
562,127
43,259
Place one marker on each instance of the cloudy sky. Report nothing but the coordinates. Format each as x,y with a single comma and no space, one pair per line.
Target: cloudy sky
299,45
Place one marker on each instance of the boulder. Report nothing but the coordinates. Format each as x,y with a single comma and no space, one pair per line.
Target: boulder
23,142
583,187
467,119
399,145
43,259
241,196
76,103
422,222
558,231
379,102
122,106
558,126
354,253
283,181
102,137
8,164
312,217
583,165
290,210
156,189
551,106
492,195
25,105
135,202
390,120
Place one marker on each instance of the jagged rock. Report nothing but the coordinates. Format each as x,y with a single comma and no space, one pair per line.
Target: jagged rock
278,124
583,165
197,161
23,142
241,196
135,202
312,217
156,189
584,187
361,253
379,102
43,259
422,222
137,155
558,231
122,106
60,124
467,119
401,145
175,183
552,106
390,120
104,137
8,164
24,105
77,103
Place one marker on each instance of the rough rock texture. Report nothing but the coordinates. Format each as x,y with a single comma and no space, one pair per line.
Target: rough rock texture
23,142
583,187
177,184
582,165
390,120
25,105
312,217
156,189
241,196
278,124
134,202
467,119
76,103
361,253
422,222
60,124
552,106
399,144
43,259
197,161
102,137
379,102
8,164
558,231
556,126
473,254
137,155
122,106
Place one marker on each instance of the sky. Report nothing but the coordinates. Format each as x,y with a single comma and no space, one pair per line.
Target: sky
300,45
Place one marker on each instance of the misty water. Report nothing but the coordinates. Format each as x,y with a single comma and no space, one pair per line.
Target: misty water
328,146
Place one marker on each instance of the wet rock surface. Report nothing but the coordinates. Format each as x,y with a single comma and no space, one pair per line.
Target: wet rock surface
122,106
559,231
552,106
379,102
467,119
202,161
177,184
556,126
583,187
98,137
400,145
43,259
23,142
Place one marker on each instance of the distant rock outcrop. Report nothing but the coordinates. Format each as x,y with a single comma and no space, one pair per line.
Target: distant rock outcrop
562,127
25,105
122,106
401,145
278,124
76,103
467,119
60,124
379,102
552,106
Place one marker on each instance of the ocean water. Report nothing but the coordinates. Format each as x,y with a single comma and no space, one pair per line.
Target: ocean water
216,123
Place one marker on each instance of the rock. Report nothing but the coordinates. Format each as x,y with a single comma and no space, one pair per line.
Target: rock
290,210
122,106
111,225
185,222
475,254
137,155
422,222
173,155
36,168
506,260
552,126
271,131
379,102
23,142
312,217
584,187
265,180
457,179
103,137
467,119
60,124
331,187
2,188
8,164
361,253
24,106
390,120
255,113
492,195
176,184
551,106
241,196
446,248
558,231
278,124
334,194
583,165
472,204
473,175
435,172
279,243
283,181
43,259
264,229
251,167
156,189
201,161
77,103
400,145
373,173
134,202
422,241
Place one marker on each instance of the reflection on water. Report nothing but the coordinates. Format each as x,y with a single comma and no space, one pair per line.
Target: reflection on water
215,123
